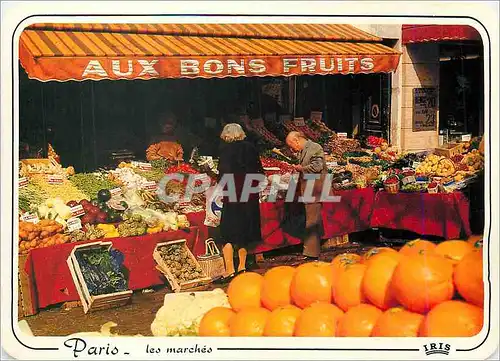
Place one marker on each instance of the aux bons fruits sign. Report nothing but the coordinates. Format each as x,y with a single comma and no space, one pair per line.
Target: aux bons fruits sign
422,290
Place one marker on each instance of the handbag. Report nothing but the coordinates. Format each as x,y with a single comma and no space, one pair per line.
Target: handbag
212,262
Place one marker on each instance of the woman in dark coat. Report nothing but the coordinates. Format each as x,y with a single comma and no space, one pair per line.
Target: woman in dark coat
240,220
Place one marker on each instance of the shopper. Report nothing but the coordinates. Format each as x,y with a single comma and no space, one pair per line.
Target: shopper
312,161
240,219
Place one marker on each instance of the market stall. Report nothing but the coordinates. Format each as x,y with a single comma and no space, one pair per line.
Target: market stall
380,187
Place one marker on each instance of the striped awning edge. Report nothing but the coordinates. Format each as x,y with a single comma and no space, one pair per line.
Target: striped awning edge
79,55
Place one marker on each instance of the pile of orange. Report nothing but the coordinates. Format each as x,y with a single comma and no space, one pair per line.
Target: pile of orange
424,290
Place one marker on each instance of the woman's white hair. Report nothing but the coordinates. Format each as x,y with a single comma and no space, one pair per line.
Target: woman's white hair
232,132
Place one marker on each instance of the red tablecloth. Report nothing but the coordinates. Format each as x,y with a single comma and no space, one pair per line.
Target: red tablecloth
443,214
53,280
351,214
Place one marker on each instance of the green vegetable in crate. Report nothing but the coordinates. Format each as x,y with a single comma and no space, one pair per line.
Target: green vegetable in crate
180,263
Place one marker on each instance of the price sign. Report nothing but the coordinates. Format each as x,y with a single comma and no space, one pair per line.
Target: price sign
424,109
144,166
23,182
466,137
115,192
150,186
342,135
409,179
299,122
31,218
77,211
74,224
55,179
317,116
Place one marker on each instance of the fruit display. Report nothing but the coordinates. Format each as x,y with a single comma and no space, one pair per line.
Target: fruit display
306,130
320,126
265,134
180,263
474,161
279,167
337,146
422,290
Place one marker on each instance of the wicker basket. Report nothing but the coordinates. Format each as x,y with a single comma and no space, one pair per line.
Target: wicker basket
391,187
212,262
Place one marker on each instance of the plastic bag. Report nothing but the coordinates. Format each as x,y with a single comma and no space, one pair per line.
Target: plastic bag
214,206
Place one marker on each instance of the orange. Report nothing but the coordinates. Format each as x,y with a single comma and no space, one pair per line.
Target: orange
376,285
476,240
452,319
347,291
276,287
340,262
245,290
454,250
312,282
281,322
422,281
358,321
318,320
417,246
250,321
468,278
397,322
375,251
215,322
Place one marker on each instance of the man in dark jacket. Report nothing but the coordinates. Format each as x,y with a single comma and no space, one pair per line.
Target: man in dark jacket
312,161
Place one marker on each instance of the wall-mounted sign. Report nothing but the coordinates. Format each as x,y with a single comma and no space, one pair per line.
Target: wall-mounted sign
424,109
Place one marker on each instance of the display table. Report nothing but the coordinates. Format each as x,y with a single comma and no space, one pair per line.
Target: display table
53,281
443,215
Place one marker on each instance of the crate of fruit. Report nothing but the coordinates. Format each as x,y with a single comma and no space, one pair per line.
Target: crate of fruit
97,271
179,266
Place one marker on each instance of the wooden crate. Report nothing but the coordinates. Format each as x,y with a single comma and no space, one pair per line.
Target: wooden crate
449,150
172,280
26,305
89,302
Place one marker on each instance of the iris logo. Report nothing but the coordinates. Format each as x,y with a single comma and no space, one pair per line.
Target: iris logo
437,348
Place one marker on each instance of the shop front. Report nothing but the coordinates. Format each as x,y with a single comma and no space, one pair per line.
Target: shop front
215,72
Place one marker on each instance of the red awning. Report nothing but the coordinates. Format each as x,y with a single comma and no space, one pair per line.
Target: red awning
431,33
147,51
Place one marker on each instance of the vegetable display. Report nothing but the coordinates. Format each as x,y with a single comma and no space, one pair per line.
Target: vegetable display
43,234
92,183
180,262
66,190
101,270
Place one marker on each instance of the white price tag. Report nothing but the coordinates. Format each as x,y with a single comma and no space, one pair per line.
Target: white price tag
466,137
74,224
55,179
299,122
31,218
144,166
409,179
77,211
342,135
115,192
23,182
150,186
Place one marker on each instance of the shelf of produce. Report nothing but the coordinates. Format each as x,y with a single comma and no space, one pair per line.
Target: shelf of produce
52,276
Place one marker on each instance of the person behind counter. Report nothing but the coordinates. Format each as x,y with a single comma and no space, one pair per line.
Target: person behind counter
312,161
240,220
167,144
